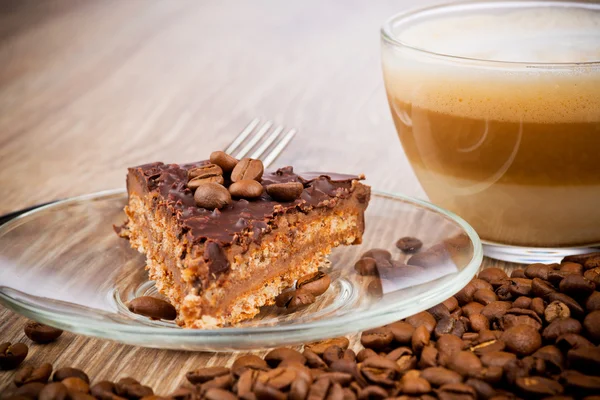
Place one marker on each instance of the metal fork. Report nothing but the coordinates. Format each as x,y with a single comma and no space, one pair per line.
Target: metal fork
253,135
250,134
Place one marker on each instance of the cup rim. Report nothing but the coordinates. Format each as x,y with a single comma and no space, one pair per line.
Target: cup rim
387,34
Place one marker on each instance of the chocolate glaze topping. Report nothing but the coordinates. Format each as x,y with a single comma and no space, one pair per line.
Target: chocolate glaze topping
242,221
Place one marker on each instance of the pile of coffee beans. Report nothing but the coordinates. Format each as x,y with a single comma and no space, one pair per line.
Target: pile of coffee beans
532,335
225,178
306,291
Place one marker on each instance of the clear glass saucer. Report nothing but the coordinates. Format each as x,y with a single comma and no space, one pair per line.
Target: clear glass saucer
63,265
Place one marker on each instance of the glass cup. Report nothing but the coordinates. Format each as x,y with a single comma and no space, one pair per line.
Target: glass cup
497,106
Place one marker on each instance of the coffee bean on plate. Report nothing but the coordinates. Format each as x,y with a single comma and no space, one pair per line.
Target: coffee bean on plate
366,266
247,168
12,355
409,244
299,299
211,195
315,284
246,188
288,191
152,308
223,160
41,333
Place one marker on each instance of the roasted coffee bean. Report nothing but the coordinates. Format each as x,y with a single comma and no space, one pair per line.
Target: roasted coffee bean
41,333
571,268
439,311
12,355
281,354
497,358
371,393
375,288
103,389
482,389
541,288
68,372
249,361
450,325
266,391
333,353
366,266
584,359
247,168
522,339
570,341
413,384
556,310
520,286
591,323
54,391
448,346
152,308
581,258
522,302
553,358
130,388
74,384
575,308
580,384
219,394
504,293
479,322
378,254
432,257
492,275
519,316
28,374
284,297
203,174
537,306
300,299
246,189
451,303
319,389
560,326
480,347
454,391
439,376
484,296
313,360
537,271
223,160
495,310
429,357
465,363
518,273
315,284
205,374
420,339
377,339
320,346
211,195
409,244
577,286
288,191
593,275
465,295
539,386
422,318
472,308
402,331
593,302
29,390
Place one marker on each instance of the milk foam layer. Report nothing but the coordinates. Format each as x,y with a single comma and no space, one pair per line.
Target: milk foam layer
504,92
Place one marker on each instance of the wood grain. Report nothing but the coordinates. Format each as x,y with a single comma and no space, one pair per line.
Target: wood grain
89,88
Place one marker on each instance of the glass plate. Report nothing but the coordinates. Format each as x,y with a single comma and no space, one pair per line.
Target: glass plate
63,265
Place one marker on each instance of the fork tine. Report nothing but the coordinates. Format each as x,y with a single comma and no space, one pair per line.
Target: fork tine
242,135
261,132
279,148
268,142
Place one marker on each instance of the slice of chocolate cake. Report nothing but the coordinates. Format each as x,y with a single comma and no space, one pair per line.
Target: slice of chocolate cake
219,258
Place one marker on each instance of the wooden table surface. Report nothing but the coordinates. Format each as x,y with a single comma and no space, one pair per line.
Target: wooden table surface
90,88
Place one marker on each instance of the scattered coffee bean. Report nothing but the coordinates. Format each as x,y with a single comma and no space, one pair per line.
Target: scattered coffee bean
366,266
211,195
41,333
315,284
409,244
246,188
246,362
74,384
223,160
68,372
206,374
320,346
12,355
152,308
54,391
203,174
247,168
288,191
28,374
